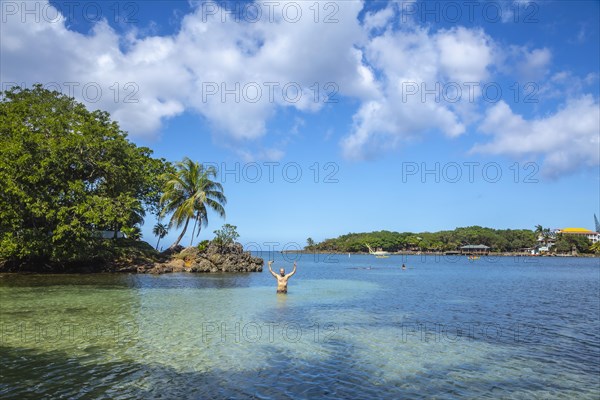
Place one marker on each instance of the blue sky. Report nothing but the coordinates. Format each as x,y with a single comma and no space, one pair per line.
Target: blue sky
410,116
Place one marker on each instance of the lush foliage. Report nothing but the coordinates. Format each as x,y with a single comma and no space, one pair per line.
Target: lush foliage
203,245
565,243
498,240
189,193
226,236
67,174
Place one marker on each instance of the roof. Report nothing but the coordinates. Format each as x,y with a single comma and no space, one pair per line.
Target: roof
475,246
577,230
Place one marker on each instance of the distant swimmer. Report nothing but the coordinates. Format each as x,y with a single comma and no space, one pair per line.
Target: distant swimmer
403,266
282,278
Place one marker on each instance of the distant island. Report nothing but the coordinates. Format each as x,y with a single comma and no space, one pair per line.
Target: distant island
540,241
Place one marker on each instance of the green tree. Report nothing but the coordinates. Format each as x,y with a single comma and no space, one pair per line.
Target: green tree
160,230
539,230
67,174
499,240
310,243
226,236
565,243
189,192
133,232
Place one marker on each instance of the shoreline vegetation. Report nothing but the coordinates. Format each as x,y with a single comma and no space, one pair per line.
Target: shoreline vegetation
513,242
76,191
448,254
137,256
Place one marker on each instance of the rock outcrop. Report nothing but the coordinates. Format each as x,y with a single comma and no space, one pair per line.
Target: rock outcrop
213,258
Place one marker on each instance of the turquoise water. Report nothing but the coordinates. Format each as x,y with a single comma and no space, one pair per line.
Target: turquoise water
356,327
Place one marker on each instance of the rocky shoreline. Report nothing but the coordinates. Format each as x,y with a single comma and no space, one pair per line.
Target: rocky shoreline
212,259
140,258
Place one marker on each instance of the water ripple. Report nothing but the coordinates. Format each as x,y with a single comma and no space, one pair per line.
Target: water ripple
438,330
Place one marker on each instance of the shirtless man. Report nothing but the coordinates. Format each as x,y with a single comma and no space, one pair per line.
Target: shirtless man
282,278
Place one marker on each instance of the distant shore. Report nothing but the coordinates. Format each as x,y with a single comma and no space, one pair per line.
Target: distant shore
214,260
442,253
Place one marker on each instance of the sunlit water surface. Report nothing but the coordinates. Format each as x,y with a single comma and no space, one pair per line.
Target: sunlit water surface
356,327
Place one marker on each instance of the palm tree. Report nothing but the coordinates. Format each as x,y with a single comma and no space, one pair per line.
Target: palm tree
200,216
161,231
539,230
189,193
546,235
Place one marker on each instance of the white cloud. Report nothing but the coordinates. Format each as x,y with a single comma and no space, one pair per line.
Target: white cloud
465,54
411,62
565,84
535,63
566,140
375,62
525,64
380,18
171,73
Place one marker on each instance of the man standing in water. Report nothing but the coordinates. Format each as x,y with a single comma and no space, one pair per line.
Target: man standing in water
282,278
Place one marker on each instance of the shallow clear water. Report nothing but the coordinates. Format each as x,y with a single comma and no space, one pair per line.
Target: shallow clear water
356,327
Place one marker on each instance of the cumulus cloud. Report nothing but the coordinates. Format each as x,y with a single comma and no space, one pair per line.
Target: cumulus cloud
465,54
415,68
93,69
234,73
238,75
566,140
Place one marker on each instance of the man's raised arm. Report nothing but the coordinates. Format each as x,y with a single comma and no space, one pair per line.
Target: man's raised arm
293,271
270,270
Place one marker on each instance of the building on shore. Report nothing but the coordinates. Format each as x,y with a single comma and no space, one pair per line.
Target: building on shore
594,237
546,242
477,249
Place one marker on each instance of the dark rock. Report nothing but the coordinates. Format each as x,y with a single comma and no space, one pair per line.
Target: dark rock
213,258
217,258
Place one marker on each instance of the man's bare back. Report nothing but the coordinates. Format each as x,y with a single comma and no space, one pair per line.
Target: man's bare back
282,278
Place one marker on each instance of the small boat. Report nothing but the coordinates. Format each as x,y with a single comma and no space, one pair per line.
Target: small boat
379,253
472,258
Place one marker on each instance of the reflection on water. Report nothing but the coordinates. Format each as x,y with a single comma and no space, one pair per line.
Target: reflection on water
356,328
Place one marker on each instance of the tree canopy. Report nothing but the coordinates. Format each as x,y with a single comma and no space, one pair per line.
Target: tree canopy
566,243
226,236
497,239
67,174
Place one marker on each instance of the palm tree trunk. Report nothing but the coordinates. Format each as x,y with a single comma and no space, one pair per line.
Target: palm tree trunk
194,230
157,243
187,221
